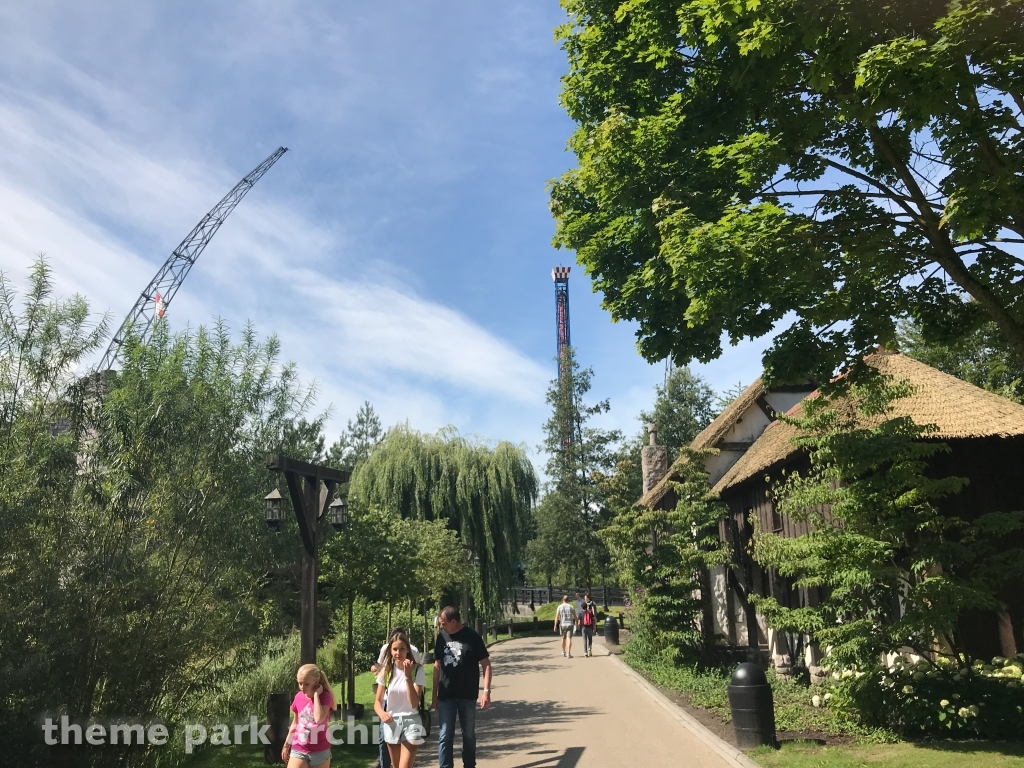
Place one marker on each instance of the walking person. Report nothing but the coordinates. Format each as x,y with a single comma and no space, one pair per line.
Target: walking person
385,652
459,656
578,603
588,622
414,652
400,682
565,624
306,744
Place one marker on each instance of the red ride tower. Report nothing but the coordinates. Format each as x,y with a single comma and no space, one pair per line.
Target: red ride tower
561,277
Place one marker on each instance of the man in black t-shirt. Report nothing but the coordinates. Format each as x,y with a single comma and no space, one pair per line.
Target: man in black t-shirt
459,655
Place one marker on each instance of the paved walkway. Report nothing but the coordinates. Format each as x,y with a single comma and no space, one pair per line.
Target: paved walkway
552,712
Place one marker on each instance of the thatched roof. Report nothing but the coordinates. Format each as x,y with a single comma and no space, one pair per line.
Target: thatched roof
959,410
708,438
727,419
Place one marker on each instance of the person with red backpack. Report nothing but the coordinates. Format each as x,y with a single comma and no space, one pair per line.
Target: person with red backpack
588,622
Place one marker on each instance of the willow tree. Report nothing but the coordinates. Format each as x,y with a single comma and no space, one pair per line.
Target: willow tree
484,494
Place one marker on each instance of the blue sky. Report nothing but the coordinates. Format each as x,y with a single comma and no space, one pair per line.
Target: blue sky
401,249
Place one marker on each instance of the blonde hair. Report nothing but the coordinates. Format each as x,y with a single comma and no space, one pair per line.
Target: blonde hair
312,671
389,660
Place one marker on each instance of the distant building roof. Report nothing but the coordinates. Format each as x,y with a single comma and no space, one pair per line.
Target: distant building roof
959,410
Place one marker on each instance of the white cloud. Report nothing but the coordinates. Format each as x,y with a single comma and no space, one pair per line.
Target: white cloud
91,198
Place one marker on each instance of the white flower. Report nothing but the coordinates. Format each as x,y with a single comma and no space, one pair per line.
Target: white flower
815,700
828,696
908,689
944,703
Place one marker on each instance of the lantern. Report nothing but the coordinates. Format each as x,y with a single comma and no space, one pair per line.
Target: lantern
337,513
272,510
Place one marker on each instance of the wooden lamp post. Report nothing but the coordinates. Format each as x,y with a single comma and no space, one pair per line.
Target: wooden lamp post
310,486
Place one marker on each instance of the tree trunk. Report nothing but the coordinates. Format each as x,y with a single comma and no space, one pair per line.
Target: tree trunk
1007,642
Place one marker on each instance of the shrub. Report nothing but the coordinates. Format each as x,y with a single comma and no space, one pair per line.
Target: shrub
927,700
243,688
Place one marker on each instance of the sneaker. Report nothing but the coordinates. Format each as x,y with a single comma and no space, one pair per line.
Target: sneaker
570,655
563,654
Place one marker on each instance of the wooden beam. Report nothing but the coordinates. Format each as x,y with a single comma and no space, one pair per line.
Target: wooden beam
766,409
280,463
296,491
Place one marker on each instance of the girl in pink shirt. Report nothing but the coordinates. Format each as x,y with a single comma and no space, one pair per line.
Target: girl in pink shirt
307,744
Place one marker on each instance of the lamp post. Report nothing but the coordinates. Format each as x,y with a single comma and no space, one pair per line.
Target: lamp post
309,486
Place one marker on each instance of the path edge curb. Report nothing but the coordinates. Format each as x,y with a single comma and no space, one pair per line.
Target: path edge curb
733,755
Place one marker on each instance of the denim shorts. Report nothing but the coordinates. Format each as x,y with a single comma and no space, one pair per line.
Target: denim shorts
313,758
408,728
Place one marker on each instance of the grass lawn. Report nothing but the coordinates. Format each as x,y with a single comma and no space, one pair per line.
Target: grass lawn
938,755
342,755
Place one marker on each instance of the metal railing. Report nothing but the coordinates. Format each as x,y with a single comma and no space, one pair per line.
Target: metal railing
553,593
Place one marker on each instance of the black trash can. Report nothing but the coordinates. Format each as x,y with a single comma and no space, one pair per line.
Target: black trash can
279,718
753,709
611,630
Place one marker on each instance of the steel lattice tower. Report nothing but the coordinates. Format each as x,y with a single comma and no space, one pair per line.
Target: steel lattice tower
153,301
561,277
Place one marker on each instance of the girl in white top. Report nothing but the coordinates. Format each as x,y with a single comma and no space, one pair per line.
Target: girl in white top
400,724
386,648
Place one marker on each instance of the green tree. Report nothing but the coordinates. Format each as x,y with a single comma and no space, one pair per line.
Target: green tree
895,571
484,494
571,512
360,437
133,505
41,345
372,559
664,556
815,167
440,565
683,406
981,357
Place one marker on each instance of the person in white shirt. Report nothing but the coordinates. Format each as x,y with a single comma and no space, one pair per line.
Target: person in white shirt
414,656
402,682
385,756
565,624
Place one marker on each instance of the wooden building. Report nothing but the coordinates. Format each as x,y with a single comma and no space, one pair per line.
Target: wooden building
985,434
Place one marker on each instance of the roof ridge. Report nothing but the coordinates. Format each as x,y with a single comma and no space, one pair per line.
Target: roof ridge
960,409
